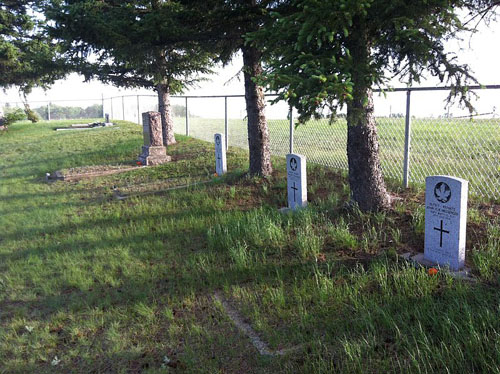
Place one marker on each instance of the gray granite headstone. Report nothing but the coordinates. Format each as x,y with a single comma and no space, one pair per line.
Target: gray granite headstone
220,154
153,151
106,118
296,180
445,220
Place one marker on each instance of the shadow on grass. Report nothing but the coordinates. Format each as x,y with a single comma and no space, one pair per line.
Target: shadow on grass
388,331
106,223
71,160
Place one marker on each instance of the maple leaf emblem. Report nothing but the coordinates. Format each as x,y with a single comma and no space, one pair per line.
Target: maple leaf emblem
217,139
293,164
442,192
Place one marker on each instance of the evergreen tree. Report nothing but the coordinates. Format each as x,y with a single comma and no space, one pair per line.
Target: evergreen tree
221,26
120,43
332,52
28,57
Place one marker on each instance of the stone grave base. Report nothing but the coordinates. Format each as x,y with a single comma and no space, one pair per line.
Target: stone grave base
52,177
419,260
154,155
287,210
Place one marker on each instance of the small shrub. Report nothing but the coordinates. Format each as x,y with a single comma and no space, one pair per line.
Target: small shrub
11,117
31,115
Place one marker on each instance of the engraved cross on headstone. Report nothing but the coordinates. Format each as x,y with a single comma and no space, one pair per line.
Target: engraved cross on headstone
441,233
296,181
295,189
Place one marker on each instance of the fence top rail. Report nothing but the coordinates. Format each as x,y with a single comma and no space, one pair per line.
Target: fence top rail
388,89
378,90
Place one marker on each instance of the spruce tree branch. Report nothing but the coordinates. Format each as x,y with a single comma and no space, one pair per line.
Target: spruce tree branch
482,14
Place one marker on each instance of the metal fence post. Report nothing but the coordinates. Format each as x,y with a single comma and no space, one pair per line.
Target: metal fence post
48,111
226,132
138,111
406,166
102,106
290,114
123,107
187,118
112,116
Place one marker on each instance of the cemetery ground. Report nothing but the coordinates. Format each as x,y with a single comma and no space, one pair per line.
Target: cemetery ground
438,146
118,274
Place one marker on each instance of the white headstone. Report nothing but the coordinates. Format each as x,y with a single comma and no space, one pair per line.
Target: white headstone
296,180
445,220
220,154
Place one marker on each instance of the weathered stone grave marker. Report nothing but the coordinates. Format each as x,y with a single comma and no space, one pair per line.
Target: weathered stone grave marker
153,151
296,180
106,118
86,126
445,221
220,155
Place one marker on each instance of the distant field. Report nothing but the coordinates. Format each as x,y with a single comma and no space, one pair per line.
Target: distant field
459,147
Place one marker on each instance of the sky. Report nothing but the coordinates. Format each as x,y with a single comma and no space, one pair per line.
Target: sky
480,51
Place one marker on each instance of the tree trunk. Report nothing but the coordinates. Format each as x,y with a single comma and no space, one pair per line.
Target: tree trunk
365,173
258,132
165,109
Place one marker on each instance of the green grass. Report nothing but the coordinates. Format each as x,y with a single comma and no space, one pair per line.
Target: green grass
126,286
459,147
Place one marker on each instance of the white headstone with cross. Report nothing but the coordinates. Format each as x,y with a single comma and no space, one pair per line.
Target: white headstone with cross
445,220
296,180
220,154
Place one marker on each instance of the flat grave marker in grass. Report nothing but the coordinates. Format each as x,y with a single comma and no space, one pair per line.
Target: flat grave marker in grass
153,150
445,221
220,155
86,126
296,181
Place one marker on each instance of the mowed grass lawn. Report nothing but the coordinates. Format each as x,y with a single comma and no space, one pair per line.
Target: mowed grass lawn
93,284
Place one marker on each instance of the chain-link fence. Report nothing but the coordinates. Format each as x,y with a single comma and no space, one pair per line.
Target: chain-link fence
418,136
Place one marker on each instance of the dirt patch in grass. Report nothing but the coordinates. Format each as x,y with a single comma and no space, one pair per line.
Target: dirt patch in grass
160,186
84,172
184,156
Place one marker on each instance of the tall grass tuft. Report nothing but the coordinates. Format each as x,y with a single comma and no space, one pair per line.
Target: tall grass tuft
339,236
486,257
